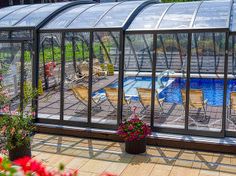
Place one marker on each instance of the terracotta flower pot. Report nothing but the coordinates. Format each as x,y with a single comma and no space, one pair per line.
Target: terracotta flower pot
135,147
19,152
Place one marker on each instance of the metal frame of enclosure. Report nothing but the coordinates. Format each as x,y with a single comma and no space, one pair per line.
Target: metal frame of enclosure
121,21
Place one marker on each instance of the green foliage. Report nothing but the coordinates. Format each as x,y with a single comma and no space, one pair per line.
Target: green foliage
6,168
80,52
16,129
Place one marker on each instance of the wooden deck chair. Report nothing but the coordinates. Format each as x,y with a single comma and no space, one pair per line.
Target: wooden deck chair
196,100
81,93
112,97
232,107
145,95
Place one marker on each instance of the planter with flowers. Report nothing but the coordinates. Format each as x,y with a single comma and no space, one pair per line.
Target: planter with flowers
134,131
16,126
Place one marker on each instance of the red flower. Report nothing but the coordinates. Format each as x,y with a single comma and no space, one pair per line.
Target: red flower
108,174
23,163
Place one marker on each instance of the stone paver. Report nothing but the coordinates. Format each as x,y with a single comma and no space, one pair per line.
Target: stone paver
93,157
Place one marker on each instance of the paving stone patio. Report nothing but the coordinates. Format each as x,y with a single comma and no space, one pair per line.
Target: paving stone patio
92,157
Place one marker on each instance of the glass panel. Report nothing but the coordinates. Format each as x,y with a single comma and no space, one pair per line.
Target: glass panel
213,14
138,53
138,77
8,10
76,77
118,15
16,16
105,77
92,15
22,34
148,17
49,76
39,15
231,86
28,89
170,80
4,34
66,17
10,71
179,15
206,81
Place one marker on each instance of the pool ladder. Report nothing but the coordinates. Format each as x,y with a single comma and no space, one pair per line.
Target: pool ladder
161,75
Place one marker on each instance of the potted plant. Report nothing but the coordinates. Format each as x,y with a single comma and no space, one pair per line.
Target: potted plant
134,131
16,126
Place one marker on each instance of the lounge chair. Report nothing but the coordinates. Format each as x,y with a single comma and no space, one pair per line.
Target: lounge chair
196,100
81,93
112,97
232,107
145,95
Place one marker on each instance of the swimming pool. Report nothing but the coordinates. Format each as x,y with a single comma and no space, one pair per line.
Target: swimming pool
212,88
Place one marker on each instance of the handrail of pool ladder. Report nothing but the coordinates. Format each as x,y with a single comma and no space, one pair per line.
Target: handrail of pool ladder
161,75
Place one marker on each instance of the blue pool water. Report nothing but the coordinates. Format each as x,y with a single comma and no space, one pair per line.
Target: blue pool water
212,88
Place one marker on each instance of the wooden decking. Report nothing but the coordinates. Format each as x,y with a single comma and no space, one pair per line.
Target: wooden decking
172,116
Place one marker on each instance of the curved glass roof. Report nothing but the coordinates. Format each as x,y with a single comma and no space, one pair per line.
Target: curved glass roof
62,20
6,11
233,16
188,15
27,15
139,15
103,15
213,14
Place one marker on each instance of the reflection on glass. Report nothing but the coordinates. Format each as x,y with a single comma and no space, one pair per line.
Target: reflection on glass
10,71
28,89
76,77
105,77
206,81
49,76
137,79
170,80
231,87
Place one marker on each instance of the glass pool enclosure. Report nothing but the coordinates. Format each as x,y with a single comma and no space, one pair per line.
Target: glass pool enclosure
93,62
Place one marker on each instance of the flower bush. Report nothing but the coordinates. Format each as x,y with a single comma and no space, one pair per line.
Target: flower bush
16,125
30,167
133,129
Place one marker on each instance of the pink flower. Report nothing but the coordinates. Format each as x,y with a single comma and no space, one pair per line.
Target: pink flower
4,152
33,113
3,129
13,131
6,109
